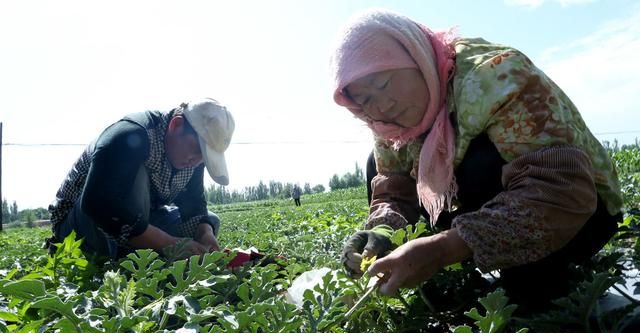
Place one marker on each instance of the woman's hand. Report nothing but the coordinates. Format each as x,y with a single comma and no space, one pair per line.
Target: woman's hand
418,260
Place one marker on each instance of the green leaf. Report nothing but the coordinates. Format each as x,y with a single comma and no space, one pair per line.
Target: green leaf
463,329
243,293
244,319
149,286
398,237
142,263
117,293
183,306
579,305
189,328
227,319
25,289
202,315
178,271
57,305
66,325
33,326
8,316
420,228
498,313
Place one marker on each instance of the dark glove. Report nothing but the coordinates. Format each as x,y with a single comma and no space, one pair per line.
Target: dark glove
366,243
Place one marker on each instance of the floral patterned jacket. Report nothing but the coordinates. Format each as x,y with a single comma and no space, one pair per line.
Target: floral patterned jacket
554,166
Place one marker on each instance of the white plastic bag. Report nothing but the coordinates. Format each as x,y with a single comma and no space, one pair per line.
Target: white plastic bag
306,280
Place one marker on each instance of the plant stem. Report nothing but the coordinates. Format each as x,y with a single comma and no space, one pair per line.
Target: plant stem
426,300
163,320
625,295
404,302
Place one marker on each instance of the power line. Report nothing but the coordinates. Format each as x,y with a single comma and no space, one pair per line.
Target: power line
299,142
42,144
19,144
620,132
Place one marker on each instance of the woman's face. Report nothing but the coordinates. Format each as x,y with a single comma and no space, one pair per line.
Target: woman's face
397,96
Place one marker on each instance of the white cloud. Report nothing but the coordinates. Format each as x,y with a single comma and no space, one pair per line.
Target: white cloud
601,75
567,3
524,3
537,3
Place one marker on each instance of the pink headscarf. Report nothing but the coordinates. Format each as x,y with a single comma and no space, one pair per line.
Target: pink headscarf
380,40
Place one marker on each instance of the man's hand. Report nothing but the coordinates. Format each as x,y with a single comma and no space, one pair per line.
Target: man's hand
169,246
205,236
365,243
418,260
183,248
152,238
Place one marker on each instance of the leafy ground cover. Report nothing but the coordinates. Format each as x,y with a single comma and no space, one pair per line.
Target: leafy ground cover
66,292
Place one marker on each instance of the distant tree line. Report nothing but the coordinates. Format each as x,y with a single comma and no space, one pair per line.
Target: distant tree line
217,194
347,180
11,213
273,190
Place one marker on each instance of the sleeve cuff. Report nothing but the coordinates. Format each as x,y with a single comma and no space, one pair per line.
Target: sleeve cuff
128,231
511,235
386,216
188,228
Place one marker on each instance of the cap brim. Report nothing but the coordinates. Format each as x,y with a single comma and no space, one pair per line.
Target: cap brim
215,163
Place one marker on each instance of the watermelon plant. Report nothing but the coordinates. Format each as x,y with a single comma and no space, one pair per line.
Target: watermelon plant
67,292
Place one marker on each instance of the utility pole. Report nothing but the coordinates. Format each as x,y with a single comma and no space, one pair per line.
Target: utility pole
1,173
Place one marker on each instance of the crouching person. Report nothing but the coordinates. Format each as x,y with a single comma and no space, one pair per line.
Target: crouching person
139,185
465,123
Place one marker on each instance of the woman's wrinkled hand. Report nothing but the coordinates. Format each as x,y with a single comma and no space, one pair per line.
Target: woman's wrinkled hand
418,260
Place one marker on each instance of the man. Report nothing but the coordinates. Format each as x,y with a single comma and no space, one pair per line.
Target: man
140,183
295,194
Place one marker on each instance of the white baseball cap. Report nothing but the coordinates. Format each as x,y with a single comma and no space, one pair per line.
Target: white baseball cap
214,125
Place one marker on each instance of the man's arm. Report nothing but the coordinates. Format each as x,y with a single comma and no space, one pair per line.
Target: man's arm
193,210
153,238
119,153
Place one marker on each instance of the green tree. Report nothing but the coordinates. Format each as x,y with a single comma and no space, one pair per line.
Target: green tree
354,179
358,172
250,193
41,213
6,213
318,188
14,212
275,188
347,180
307,189
262,191
335,183
30,218
286,191
219,194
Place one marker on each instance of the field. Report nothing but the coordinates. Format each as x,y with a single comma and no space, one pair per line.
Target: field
66,292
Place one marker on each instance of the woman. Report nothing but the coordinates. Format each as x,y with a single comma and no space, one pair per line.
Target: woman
492,149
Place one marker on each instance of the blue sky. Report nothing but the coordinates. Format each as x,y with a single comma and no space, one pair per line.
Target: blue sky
70,68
